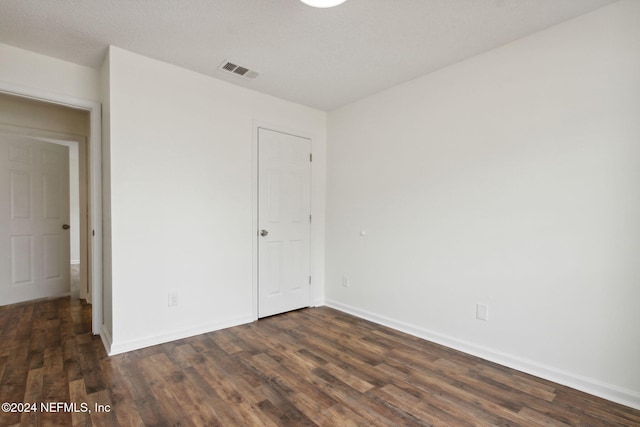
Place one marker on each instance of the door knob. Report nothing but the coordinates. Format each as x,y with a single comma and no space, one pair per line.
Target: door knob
264,233
66,226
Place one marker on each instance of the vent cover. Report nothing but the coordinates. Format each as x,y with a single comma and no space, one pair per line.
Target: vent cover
238,70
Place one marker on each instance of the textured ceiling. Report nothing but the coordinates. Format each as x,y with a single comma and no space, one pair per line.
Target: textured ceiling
323,58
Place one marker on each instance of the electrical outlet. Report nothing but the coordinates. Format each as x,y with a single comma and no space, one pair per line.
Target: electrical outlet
482,312
345,281
173,299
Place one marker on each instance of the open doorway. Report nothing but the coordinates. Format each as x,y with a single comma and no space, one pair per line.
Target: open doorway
41,206
52,121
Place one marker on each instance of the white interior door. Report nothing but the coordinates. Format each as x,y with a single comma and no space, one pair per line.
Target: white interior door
284,216
34,200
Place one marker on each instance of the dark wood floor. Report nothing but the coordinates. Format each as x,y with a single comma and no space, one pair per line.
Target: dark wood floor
310,367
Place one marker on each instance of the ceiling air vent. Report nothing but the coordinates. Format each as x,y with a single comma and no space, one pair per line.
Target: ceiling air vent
238,70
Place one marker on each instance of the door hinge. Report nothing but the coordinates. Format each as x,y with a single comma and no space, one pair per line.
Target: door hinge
309,218
310,157
309,279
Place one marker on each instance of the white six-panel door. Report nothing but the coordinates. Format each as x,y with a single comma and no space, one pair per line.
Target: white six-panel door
284,209
34,207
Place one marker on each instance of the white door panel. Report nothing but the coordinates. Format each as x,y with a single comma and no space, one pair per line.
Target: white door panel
284,208
34,196
21,250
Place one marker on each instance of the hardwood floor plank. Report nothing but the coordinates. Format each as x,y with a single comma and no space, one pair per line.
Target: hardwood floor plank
187,393
164,394
223,411
77,395
88,361
496,392
350,398
408,402
33,393
233,368
295,376
526,385
343,358
342,416
136,385
591,410
289,384
53,388
4,361
281,416
102,417
36,359
180,355
540,419
123,404
13,384
243,409
225,343
352,380
308,367
449,398
312,408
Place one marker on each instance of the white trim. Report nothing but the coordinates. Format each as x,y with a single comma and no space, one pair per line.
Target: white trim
107,340
254,222
95,181
48,135
257,124
588,385
75,262
137,344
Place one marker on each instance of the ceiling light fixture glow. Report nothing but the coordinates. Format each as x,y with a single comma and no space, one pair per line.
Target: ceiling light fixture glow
323,3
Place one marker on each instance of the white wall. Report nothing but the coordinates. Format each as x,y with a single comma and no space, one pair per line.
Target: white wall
510,179
43,116
181,183
39,72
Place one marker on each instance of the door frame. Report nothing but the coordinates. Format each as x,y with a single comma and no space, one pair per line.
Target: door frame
94,187
257,125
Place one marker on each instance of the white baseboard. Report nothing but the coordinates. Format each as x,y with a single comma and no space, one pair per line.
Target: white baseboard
123,347
588,385
105,335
